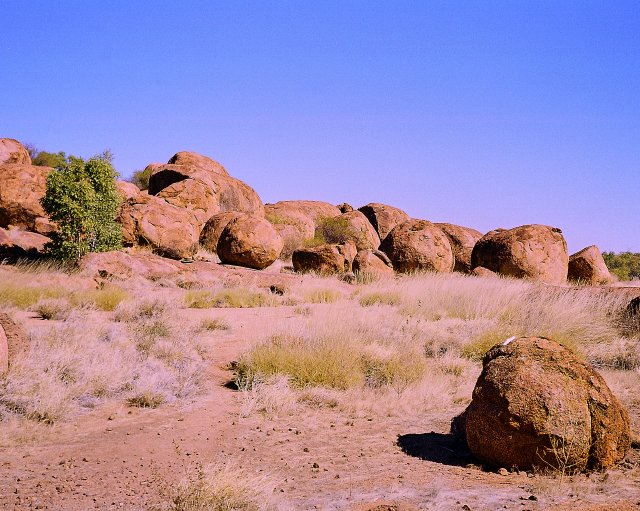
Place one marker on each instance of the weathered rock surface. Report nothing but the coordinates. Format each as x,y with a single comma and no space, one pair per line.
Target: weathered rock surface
198,161
249,241
588,267
12,151
462,240
536,402
127,190
169,230
296,220
360,231
418,245
383,218
535,252
213,229
202,186
13,339
373,263
481,271
119,264
17,244
44,226
324,259
22,188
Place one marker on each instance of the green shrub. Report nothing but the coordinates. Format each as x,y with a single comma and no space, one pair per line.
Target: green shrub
82,199
625,265
140,178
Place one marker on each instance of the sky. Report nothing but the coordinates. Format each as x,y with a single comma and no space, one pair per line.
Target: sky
481,113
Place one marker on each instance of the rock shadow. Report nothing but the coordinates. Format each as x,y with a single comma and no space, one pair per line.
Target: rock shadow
441,448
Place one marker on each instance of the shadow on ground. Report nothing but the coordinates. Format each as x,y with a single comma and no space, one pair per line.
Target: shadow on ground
436,447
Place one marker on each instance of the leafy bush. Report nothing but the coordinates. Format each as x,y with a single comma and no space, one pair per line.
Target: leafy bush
625,265
46,159
82,199
140,178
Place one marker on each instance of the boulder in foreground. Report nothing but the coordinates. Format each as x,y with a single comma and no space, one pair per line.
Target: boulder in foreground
534,252
249,241
418,245
588,267
536,404
372,264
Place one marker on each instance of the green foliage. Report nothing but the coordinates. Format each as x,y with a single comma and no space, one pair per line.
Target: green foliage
625,265
334,230
82,199
47,159
140,178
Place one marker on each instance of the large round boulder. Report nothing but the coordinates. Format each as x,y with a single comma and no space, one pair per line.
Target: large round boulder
418,245
213,229
588,267
383,218
21,188
353,226
536,404
249,241
296,220
534,252
170,231
12,151
325,259
372,264
462,240
203,186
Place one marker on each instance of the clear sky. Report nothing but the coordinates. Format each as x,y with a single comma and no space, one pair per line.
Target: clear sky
481,113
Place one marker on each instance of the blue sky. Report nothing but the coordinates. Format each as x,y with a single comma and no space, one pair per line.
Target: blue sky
482,113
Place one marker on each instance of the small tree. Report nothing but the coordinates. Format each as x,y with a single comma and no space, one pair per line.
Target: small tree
140,178
83,200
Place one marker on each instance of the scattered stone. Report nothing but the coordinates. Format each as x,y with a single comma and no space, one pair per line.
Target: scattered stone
534,252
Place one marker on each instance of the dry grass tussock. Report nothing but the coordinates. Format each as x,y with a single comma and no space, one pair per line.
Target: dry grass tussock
79,363
219,488
407,344
27,290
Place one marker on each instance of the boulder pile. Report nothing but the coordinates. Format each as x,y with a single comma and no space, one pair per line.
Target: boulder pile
192,199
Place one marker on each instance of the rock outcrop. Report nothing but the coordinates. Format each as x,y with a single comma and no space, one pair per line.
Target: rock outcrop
296,220
418,245
127,190
12,151
534,252
202,186
462,240
324,259
170,231
383,218
17,244
372,264
249,241
23,185
358,230
212,230
536,404
588,267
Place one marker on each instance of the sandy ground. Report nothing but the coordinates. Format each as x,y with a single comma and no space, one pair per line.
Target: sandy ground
121,458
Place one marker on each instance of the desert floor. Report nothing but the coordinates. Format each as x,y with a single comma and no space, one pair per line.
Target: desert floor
272,445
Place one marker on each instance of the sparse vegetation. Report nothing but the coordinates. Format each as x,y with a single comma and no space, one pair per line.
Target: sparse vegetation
334,230
140,178
625,265
322,296
212,324
232,298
